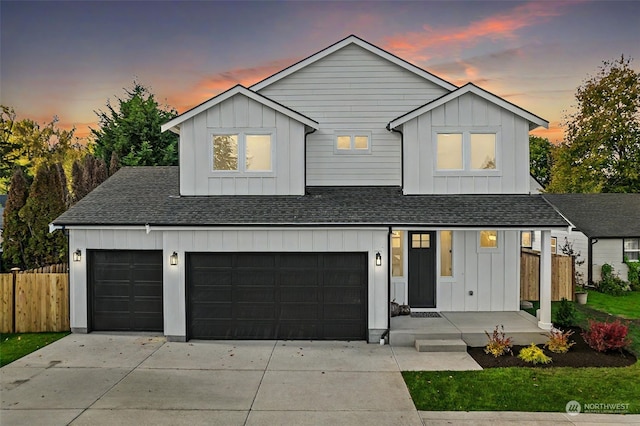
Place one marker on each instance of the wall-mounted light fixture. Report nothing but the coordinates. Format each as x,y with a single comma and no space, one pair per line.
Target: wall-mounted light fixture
173,259
378,259
77,255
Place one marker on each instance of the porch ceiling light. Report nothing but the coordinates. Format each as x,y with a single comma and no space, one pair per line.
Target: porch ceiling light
77,255
173,259
378,259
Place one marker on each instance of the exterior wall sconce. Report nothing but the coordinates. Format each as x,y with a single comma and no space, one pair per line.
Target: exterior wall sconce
173,259
77,255
378,259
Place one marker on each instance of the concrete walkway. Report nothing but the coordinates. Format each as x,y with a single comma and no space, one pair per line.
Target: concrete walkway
100,379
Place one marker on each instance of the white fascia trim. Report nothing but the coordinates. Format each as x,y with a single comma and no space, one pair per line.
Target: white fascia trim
174,124
284,227
534,120
363,44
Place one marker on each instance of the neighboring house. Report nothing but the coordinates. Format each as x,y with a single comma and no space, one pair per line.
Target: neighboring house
304,204
606,229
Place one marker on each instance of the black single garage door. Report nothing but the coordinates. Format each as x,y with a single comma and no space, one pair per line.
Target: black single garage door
277,296
125,290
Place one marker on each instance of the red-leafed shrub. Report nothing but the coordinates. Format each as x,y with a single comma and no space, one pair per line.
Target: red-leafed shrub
606,336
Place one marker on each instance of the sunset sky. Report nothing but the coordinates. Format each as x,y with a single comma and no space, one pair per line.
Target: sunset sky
68,58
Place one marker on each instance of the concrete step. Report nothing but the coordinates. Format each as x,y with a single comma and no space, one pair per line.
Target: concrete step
409,337
440,345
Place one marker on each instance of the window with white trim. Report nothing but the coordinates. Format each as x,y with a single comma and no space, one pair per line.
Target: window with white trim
352,142
244,151
554,245
468,151
526,239
397,249
446,253
488,239
631,249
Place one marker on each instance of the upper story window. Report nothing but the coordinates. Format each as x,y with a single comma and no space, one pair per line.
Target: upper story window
352,142
631,249
243,152
467,151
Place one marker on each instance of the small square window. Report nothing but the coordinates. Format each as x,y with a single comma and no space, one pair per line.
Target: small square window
352,142
344,142
361,142
225,152
420,240
258,153
488,239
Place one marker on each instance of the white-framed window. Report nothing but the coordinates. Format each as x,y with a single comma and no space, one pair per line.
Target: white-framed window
468,151
446,253
397,250
247,150
352,142
631,249
554,245
488,240
526,239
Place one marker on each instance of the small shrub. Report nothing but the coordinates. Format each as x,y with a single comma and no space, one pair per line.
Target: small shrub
606,336
566,315
613,286
498,344
534,355
633,276
559,341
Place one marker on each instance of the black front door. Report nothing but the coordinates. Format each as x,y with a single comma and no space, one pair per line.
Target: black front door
422,269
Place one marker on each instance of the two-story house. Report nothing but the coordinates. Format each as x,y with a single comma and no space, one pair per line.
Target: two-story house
307,202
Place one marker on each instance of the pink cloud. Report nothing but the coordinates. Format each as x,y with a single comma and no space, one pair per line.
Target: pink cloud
505,25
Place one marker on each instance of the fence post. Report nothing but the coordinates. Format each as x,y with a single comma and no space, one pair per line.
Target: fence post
14,271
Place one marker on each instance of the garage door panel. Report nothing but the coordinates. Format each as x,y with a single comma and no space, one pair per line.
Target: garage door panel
277,295
125,290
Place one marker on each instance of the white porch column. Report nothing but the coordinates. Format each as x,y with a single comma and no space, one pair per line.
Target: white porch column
544,320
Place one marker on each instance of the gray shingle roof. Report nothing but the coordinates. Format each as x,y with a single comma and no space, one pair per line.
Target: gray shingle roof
600,215
141,195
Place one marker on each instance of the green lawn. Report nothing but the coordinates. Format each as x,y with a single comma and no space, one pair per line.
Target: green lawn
14,346
523,389
625,306
535,389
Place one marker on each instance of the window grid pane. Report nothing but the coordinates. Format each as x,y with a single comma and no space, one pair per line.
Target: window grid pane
632,249
449,155
397,262
488,239
225,152
258,152
344,142
483,151
362,142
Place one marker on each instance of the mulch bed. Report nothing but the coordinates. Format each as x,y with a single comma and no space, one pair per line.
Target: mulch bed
579,355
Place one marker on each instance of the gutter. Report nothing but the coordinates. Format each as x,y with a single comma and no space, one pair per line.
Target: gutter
389,269
304,176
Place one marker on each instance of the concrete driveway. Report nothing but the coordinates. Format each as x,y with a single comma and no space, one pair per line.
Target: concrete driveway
99,379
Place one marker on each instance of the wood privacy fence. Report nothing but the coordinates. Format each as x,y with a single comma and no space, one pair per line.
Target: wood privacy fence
562,276
41,302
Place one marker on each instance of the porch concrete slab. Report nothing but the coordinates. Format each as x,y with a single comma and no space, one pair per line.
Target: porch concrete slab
95,417
212,355
63,388
12,377
183,389
38,417
331,356
94,350
520,326
332,391
411,360
350,418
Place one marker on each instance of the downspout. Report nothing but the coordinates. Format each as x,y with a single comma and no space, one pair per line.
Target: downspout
591,242
401,155
304,177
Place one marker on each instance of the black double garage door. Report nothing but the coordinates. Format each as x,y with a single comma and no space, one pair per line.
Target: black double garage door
235,295
277,296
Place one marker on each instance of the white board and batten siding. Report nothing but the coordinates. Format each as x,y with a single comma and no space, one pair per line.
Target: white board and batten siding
470,113
492,275
369,241
239,113
353,89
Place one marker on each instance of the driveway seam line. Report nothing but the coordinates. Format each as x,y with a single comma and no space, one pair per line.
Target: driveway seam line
118,382
273,349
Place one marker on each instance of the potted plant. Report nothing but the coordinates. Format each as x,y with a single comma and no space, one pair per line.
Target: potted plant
581,295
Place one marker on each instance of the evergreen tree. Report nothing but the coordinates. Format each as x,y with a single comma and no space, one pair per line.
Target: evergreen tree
132,131
540,159
46,201
114,164
15,232
9,149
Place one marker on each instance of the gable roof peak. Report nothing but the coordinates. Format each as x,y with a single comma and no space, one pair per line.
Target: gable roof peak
349,40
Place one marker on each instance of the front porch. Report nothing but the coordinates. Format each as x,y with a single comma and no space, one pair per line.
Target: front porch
468,326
